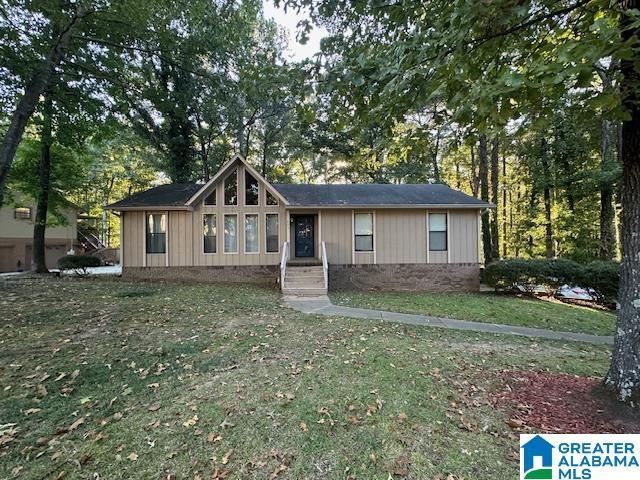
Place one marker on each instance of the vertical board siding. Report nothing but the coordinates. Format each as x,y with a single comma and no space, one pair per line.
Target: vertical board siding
464,236
400,236
336,232
133,242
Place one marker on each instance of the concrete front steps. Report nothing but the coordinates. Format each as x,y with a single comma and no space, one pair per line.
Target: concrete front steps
304,281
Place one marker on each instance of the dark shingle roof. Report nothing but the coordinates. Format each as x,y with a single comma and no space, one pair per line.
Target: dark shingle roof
173,194
375,194
177,194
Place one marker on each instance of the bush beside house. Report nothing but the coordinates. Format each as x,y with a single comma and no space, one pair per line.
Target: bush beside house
600,278
78,263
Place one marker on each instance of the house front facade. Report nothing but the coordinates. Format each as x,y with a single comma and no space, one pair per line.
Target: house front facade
239,227
16,235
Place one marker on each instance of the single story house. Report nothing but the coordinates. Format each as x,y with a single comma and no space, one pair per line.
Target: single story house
16,234
239,227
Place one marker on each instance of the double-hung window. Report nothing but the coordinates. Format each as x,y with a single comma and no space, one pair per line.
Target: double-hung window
156,233
210,232
363,232
438,232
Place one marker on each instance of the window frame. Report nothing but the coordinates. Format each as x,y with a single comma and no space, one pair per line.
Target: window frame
247,174
267,195
445,232
266,236
224,189
215,216
244,225
20,215
147,233
372,234
224,243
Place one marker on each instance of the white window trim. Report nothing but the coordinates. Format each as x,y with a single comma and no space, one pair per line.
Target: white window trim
215,214
244,226
166,235
373,235
225,215
244,190
427,230
448,238
446,213
277,214
224,190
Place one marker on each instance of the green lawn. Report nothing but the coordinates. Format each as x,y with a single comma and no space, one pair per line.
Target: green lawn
125,380
486,307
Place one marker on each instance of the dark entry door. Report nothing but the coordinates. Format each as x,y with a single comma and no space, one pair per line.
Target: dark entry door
304,236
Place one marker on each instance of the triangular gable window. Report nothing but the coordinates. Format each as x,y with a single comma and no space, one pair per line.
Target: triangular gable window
271,200
252,189
211,199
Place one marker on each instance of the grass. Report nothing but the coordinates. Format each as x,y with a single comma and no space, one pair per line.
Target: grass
489,308
108,379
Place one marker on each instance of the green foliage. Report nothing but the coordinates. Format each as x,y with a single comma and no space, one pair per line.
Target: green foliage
601,277
78,263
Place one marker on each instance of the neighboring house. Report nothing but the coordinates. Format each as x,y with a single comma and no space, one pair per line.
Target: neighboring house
16,235
239,227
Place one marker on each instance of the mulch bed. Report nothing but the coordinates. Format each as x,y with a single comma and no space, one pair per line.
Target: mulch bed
547,402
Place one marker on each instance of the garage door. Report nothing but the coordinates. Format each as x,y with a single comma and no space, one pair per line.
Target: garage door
53,254
7,260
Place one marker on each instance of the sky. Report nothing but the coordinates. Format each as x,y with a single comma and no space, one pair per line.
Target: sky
289,21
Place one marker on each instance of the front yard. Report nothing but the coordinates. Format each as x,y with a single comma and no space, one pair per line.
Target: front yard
487,307
109,379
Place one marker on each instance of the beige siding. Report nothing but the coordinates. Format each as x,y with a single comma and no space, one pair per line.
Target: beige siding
181,240
463,236
11,227
336,232
401,236
133,233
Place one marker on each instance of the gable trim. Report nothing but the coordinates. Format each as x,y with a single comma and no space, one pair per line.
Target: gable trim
223,170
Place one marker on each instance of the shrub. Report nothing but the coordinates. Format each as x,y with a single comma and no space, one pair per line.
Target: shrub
78,263
599,277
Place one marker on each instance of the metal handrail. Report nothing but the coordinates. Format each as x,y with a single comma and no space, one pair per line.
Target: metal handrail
283,262
325,265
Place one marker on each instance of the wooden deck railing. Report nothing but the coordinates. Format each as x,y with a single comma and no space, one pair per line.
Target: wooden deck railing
283,263
325,265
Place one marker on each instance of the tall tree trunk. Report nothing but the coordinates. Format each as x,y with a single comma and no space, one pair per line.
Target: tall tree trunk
483,173
264,159
436,167
548,226
44,173
495,185
458,180
27,104
607,212
475,176
504,207
624,373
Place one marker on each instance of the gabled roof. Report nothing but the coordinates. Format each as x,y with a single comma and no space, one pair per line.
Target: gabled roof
335,195
170,195
223,171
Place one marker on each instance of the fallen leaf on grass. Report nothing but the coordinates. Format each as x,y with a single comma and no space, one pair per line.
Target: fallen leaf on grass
31,411
212,437
303,427
76,424
280,468
133,456
191,422
41,391
515,423
154,407
225,457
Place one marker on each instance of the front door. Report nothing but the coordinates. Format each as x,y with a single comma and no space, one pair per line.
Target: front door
304,236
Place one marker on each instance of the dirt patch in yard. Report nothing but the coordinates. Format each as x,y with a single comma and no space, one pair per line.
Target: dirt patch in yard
547,402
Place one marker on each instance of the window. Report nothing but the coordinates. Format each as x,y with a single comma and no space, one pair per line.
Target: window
230,234
271,200
272,232
438,232
22,213
156,233
211,199
210,231
364,232
231,189
251,189
251,236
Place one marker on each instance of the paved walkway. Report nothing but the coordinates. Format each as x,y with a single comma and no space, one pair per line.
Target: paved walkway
323,306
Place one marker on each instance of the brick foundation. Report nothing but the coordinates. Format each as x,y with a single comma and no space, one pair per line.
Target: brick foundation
434,277
257,274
